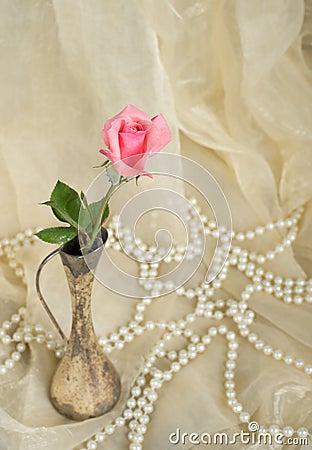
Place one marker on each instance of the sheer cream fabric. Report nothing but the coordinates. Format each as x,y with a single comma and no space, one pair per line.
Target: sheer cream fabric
233,79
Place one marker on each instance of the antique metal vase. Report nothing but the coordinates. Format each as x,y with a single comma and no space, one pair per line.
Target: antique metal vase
85,383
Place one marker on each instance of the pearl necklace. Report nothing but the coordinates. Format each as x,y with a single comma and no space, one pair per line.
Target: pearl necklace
144,391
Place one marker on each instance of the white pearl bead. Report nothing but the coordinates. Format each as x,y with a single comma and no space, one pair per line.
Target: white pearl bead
40,338
206,339
288,431
119,345
274,429
29,232
176,367
139,317
135,446
190,318
6,325
195,338
128,413
9,363
149,408
132,435
299,363
302,432
109,429
141,429
232,354
144,419
222,329
252,338
6,339
172,355
267,350
277,354
167,376
59,353
230,365
100,437
138,413
153,396
229,374
131,403
233,345
244,417
16,318
200,348
237,408
129,337
259,344
244,333
155,384
308,370
16,356
229,384
91,445
149,325
288,359
138,330
270,255
21,347
287,299
231,394
213,331
50,345
141,401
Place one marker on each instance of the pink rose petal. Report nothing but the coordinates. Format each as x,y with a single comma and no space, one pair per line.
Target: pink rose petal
131,133
164,132
131,143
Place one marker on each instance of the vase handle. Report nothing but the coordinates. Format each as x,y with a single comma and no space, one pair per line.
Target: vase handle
41,298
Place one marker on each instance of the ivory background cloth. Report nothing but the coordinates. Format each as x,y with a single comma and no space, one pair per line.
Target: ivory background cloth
233,79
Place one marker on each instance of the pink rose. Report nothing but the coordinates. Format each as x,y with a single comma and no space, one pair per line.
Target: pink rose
131,137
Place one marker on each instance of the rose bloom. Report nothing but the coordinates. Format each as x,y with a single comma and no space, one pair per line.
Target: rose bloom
131,137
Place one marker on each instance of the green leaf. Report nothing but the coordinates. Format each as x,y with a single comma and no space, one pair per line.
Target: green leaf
67,199
57,235
89,214
85,214
61,212
95,208
104,164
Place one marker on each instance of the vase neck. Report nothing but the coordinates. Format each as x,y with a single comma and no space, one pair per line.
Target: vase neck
80,281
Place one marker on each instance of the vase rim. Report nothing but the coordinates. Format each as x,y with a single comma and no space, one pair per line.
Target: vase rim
72,247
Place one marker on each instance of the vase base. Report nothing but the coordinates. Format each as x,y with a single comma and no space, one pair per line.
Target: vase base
81,410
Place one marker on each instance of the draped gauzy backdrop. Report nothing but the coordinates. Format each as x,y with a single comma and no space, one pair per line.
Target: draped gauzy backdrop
233,79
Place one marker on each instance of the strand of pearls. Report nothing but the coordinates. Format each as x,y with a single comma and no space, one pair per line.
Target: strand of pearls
204,303
9,247
298,291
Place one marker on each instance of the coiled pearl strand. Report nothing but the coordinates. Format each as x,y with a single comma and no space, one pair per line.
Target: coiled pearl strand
149,381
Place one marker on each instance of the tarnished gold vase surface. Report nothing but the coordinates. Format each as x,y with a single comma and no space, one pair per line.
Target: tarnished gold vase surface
85,383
